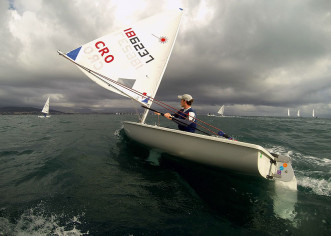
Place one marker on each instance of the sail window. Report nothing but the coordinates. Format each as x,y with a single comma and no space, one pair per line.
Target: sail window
127,82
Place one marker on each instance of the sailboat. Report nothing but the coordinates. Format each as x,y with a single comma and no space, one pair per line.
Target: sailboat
298,114
131,62
288,112
45,110
221,111
313,115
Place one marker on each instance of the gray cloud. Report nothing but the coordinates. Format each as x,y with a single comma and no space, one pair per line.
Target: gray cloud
256,57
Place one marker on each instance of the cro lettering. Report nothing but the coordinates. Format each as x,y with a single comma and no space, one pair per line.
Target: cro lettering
104,51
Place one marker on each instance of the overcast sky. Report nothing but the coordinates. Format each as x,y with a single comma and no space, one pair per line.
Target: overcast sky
256,57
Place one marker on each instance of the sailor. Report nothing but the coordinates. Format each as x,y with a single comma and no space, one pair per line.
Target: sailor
186,117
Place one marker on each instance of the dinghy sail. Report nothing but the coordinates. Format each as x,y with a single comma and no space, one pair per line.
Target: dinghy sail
45,110
221,111
131,62
134,57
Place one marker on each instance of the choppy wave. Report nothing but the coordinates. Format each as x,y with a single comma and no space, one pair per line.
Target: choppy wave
323,162
281,150
36,221
318,186
310,171
17,153
94,180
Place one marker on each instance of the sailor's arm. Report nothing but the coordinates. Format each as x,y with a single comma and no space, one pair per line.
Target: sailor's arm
168,116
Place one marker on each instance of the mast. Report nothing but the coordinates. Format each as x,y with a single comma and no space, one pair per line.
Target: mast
143,119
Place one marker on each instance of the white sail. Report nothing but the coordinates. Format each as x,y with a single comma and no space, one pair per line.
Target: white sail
288,112
46,107
45,110
298,114
221,111
313,113
135,56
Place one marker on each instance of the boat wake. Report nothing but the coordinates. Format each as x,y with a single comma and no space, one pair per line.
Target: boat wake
309,170
318,186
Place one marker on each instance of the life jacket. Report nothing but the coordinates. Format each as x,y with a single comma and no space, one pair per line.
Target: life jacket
183,115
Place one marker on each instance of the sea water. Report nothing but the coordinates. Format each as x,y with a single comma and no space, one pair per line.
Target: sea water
80,175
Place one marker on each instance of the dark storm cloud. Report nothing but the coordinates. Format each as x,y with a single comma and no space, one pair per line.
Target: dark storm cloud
257,52
249,55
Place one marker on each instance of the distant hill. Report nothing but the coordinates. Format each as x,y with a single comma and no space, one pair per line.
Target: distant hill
24,111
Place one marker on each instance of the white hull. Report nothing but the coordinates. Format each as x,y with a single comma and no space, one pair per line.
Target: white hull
217,152
44,116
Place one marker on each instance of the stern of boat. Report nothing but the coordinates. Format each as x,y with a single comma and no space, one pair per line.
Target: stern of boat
278,168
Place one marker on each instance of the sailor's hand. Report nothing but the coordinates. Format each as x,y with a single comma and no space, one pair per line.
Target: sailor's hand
157,113
168,116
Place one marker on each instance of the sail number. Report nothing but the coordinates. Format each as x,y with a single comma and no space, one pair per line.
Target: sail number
138,46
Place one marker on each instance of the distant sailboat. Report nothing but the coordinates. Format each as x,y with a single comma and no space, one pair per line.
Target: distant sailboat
298,115
221,111
314,114
45,110
288,112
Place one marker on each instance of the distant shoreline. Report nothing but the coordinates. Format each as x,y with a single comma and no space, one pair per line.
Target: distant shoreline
37,111
25,111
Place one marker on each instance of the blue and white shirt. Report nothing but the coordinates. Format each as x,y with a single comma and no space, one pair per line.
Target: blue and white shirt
186,120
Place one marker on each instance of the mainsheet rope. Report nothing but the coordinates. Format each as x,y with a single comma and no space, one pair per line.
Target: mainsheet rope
160,103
